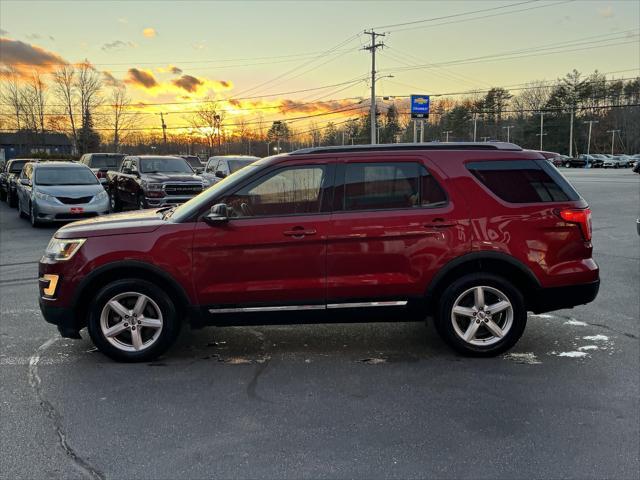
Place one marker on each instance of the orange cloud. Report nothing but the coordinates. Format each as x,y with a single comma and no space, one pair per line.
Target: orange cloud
24,58
149,32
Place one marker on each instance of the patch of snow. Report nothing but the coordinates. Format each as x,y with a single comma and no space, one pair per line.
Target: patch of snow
588,347
577,323
526,358
544,315
573,354
597,338
373,361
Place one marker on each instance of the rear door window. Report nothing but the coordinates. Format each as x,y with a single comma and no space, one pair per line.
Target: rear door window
388,186
524,181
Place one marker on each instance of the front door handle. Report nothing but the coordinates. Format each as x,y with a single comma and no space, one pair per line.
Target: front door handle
439,223
299,232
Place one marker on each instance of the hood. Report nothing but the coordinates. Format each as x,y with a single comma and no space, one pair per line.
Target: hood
71,191
141,221
171,177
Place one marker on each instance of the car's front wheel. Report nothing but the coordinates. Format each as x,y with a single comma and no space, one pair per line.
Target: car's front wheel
12,201
3,195
567,165
132,320
33,216
21,213
114,204
481,315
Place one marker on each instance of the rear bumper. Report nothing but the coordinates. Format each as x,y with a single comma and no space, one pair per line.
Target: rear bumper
62,317
557,298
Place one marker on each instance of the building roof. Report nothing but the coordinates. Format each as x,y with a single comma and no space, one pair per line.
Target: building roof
33,138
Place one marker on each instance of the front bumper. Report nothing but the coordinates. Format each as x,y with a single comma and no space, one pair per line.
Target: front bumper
62,317
557,298
58,212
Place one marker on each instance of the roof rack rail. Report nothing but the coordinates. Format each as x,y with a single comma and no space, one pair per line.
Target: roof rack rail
410,146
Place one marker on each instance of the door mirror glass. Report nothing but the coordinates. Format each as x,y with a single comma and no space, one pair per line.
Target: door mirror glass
25,181
126,171
103,181
218,214
220,174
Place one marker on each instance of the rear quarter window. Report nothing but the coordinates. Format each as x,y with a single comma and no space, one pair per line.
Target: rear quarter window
523,181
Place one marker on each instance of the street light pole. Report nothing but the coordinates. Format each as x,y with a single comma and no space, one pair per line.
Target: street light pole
447,132
613,138
541,134
508,129
475,125
571,135
590,122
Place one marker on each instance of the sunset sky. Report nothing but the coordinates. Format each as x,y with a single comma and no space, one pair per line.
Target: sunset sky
176,53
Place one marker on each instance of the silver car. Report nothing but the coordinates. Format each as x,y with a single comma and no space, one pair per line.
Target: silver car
60,191
224,165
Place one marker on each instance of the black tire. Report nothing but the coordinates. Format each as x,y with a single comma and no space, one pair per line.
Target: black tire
21,213
170,326
33,217
12,201
445,325
3,195
114,204
142,203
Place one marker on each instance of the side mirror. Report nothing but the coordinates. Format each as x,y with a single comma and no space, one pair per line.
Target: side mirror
199,170
103,181
126,171
25,181
218,214
220,174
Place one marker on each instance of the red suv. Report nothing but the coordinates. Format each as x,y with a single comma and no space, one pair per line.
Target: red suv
471,234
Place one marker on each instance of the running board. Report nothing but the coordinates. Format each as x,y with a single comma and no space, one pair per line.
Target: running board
290,308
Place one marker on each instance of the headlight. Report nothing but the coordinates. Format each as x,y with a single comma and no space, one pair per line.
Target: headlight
44,196
154,186
62,250
103,195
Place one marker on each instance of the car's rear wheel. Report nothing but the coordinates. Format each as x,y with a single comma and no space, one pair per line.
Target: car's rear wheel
3,195
142,203
12,200
481,315
132,321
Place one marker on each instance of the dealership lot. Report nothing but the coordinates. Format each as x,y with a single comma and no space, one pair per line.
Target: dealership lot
363,401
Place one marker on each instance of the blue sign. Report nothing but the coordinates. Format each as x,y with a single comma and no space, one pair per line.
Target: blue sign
419,106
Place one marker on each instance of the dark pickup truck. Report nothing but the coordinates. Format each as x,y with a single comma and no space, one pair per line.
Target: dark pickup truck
147,181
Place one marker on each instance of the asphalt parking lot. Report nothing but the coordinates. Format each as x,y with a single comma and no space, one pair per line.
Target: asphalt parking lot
385,400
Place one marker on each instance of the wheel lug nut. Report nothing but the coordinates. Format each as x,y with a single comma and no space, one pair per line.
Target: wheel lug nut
477,321
133,327
126,324
139,322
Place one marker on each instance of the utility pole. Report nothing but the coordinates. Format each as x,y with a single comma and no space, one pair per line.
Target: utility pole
475,125
485,139
421,130
508,129
164,129
571,134
415,131
590,122
447,132
613,138
541,134
372,48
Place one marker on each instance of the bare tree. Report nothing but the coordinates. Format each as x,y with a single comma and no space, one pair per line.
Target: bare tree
11,94
89,85
122,119
64,88
315,133
208,121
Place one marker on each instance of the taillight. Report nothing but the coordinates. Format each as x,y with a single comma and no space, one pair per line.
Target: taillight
580,216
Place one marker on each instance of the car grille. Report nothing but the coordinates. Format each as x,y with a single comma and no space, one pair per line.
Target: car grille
74,201
181,189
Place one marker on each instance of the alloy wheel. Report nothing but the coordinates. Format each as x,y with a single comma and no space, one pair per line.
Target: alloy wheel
482,315
131,321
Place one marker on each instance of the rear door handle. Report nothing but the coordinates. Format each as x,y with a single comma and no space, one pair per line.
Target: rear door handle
299,232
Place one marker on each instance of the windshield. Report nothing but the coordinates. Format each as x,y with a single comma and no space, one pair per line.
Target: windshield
235,165
65,176
164,165
193,161
106,161
202,200
16,167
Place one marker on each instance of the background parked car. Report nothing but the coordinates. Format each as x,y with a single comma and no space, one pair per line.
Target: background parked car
59,191
101,163
222,166
8,179
152,181
194,162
